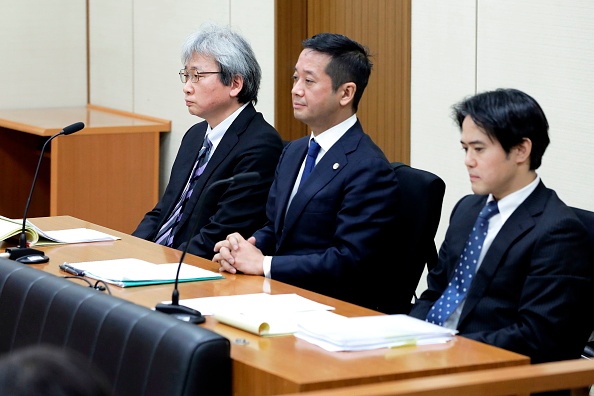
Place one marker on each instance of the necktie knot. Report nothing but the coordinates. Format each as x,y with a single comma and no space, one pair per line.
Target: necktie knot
489,210
314,149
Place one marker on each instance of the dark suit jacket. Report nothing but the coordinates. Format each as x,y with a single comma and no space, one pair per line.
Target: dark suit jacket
533,291
330,239
249,145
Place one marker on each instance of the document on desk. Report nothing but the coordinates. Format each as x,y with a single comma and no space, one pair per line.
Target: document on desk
260,313
10,228
134,272
371,332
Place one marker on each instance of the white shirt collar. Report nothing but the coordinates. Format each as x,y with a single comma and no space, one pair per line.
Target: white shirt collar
330,136
215,135
510,203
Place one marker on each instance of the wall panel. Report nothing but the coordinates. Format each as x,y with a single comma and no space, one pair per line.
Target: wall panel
44,56
544,47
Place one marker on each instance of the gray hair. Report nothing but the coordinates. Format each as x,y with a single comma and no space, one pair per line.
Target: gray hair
233,54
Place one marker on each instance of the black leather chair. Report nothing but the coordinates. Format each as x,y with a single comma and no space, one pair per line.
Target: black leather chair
587,218
421,198
140,351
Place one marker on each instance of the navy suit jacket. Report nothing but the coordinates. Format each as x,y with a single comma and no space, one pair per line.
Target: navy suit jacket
331,238
532,293
250,144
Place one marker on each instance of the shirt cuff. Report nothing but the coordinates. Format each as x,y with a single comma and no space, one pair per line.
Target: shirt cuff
266,266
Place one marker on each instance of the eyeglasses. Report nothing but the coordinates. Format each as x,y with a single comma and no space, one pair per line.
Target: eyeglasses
193,75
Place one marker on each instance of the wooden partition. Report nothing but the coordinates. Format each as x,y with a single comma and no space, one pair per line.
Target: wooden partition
381,25
108,173
576,375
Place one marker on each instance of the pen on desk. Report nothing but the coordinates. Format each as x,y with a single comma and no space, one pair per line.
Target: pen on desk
71,270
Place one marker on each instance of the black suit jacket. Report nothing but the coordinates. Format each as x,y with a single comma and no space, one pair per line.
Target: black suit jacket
533,291
331,238
249,145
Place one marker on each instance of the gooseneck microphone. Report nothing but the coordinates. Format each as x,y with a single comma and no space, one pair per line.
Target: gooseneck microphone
182,312
22,253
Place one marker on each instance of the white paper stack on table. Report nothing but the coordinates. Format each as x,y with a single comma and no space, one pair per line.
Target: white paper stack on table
260,313
338,333
10,228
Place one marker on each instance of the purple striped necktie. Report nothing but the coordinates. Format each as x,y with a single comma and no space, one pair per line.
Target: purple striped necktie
168,229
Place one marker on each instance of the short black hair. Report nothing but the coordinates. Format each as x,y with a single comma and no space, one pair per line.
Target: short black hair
50,370
508,116
349,61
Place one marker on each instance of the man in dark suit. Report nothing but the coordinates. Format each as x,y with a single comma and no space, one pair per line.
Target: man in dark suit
221,79
530,289
326,231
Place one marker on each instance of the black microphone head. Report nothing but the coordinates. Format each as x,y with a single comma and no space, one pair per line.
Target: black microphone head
77,126
246,177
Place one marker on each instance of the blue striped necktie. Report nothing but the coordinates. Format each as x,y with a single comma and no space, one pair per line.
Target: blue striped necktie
458,287
168,229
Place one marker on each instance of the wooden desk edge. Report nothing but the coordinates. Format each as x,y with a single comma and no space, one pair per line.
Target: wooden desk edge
161,125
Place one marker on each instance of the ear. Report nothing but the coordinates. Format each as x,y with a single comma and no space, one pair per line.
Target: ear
523,151
347,93
236,86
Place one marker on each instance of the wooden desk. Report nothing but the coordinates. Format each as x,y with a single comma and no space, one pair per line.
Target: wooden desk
108,173
279,364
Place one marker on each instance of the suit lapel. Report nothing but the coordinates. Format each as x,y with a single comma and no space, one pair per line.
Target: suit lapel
289,171
518,224
333,162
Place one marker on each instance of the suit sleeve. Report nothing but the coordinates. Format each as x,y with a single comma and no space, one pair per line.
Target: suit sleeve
265,236
148,227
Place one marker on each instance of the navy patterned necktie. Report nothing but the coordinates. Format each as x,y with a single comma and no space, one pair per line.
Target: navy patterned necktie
310,160
167,231
458,287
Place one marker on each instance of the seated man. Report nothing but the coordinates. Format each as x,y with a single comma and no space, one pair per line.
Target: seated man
522,280
221,79
332,204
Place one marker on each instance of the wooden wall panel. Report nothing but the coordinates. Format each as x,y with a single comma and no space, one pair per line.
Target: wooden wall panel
384,27
291,30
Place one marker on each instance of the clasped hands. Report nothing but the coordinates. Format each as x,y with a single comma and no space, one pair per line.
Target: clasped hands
238,254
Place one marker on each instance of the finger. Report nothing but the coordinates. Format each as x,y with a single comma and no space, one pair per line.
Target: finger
219,245
233,241
226,255
225,266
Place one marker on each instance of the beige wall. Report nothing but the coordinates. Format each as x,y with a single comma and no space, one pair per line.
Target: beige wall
459,47
42,53
543,47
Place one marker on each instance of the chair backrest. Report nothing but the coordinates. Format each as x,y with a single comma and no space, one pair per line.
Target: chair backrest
587,218
140,351
421,199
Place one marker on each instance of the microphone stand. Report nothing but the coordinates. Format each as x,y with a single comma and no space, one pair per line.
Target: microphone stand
23,253
182,312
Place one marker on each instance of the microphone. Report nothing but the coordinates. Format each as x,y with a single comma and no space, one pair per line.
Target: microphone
22,253
182,312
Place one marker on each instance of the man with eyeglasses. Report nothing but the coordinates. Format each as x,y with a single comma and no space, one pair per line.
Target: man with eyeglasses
221,78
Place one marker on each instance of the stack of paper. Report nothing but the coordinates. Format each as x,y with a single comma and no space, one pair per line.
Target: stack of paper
262,314
134,272
371,332
10,228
